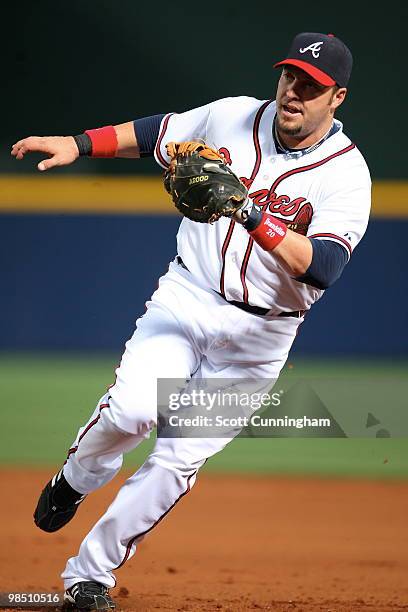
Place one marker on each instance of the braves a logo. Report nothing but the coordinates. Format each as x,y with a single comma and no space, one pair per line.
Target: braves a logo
314,48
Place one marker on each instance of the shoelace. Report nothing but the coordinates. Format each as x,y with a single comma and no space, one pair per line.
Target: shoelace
93,588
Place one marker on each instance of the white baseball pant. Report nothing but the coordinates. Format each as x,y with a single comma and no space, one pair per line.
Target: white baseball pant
187,331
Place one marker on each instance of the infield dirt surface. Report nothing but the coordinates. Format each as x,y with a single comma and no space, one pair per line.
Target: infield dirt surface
234,543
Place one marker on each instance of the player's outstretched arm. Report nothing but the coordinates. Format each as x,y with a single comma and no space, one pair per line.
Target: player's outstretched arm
63,150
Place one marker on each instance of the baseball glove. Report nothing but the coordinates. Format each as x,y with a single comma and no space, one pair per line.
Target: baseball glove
201,184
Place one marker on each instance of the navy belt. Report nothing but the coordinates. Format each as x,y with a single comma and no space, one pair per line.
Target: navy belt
257,310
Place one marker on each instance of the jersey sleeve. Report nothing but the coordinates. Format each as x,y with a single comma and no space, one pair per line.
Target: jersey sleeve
344,206
181,127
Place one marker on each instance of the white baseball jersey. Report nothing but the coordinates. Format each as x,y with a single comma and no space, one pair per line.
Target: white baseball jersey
322,192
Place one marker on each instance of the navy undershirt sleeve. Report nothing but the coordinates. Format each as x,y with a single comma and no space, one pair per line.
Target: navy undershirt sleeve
328,262
147,132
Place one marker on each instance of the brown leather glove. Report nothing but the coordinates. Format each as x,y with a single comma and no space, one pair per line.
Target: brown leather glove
201,184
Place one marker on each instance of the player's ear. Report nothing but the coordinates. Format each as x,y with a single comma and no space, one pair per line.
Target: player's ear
338,95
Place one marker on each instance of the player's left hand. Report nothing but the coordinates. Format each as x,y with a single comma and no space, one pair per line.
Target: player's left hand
60,150
201,184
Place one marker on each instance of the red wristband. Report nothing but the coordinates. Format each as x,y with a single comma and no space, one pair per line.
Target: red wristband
104,141
269,233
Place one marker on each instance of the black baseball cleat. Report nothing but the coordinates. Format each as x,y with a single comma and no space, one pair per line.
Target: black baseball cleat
88,595
57,504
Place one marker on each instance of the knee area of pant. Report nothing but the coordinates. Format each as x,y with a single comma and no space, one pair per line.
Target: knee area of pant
130,421
185,453
180,467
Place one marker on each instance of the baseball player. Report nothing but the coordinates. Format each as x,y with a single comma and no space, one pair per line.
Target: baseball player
232,300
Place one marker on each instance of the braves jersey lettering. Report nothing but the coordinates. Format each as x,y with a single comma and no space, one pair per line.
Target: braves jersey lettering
227,156
276,204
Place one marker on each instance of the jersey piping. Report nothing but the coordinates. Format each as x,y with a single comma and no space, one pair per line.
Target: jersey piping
159,141
336,238
141,535
248,183
88,427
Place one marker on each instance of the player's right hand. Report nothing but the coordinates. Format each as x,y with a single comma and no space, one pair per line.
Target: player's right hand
61,150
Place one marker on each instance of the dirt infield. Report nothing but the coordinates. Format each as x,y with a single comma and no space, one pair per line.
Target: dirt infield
233,544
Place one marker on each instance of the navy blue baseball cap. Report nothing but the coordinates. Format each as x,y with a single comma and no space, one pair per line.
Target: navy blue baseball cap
323,56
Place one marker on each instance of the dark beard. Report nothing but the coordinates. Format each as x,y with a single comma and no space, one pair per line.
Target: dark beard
287,130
